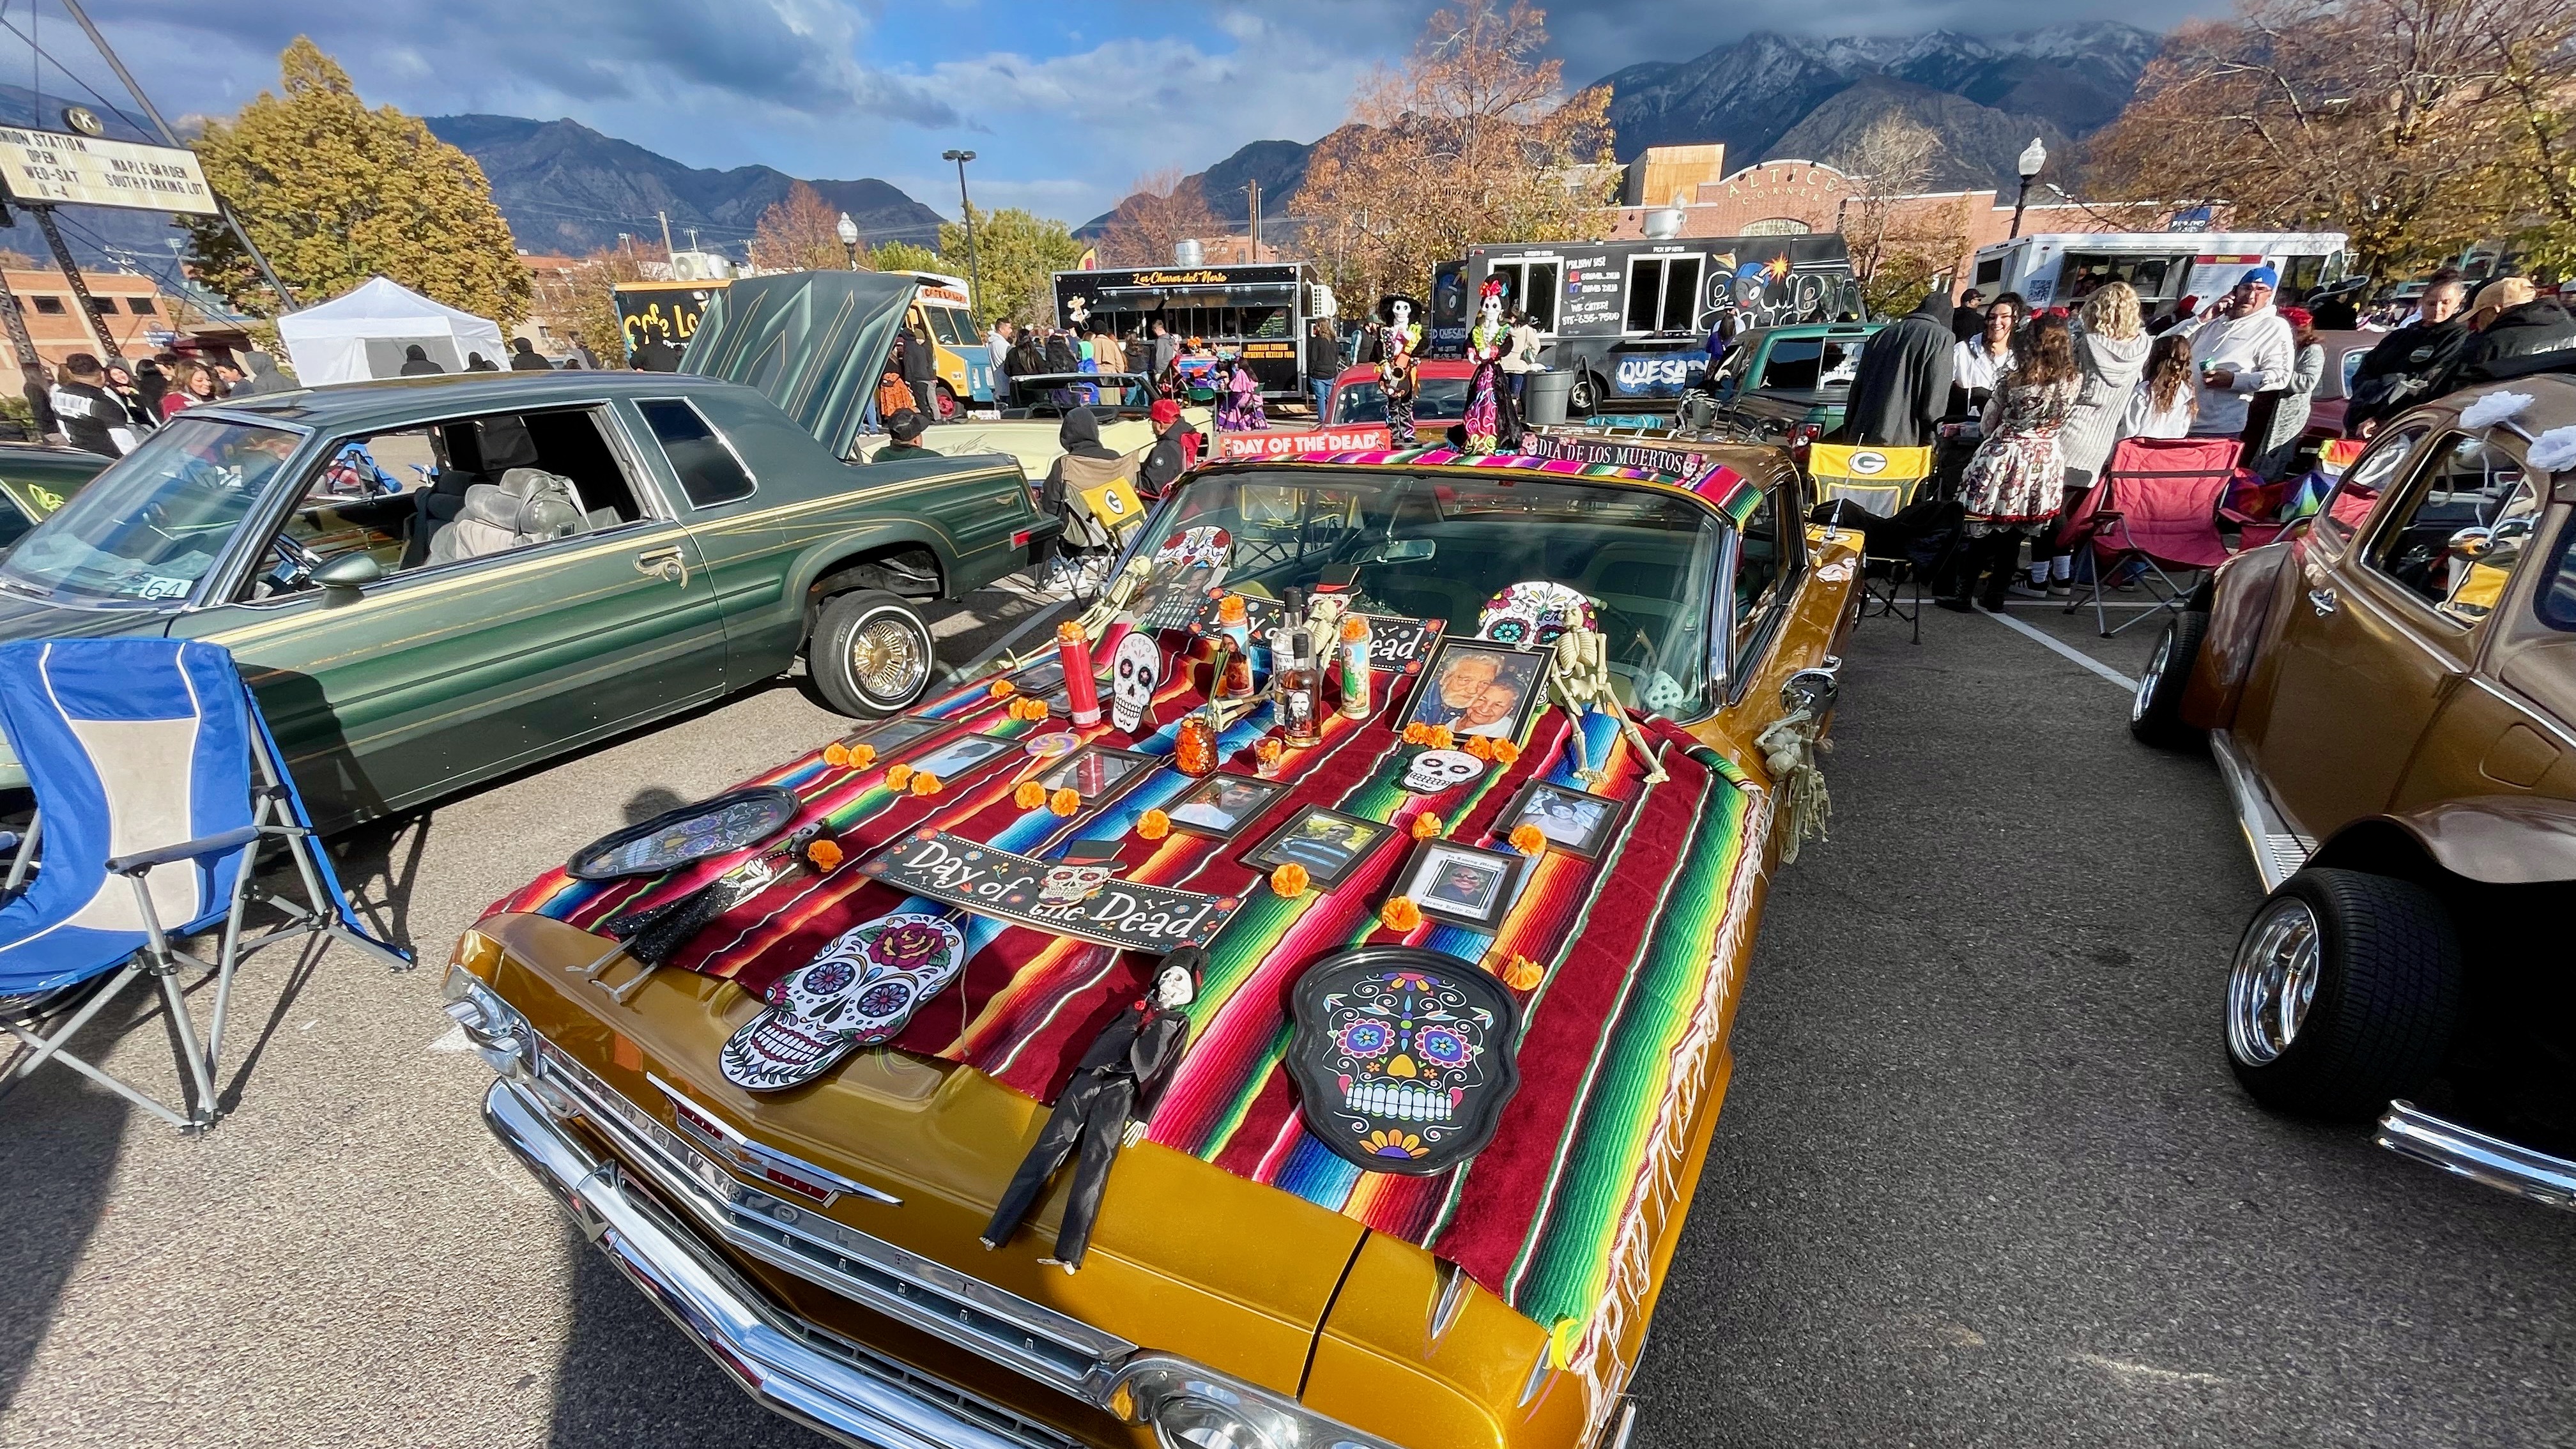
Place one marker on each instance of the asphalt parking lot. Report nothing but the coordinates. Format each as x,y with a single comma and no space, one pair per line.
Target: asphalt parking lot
1982,1178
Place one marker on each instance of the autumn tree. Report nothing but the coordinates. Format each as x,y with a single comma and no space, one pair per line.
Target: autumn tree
2394,121
904,256
1471,140
583,306
799,233
1161,208
1893,254
1018,254
335,193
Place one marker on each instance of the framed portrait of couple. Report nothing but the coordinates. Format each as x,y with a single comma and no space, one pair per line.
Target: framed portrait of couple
1479,687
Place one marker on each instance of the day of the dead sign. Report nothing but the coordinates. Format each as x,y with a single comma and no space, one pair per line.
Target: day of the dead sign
1396,644
1682,463
1084,900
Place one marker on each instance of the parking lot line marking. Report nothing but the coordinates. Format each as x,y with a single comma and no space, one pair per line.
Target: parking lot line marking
2148,1373
2068,651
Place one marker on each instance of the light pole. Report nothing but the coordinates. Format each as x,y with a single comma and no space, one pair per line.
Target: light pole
974,264
2033,157
848,231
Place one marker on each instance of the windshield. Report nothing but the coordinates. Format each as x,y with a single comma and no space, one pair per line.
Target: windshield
157,519
1435,400
1440,546
1049,394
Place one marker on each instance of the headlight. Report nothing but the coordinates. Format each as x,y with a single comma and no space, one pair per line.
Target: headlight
500,1035
1192,1407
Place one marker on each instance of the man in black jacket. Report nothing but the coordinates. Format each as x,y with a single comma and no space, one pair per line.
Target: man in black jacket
1903,382
921,370
416,363
524,358
85,407
2401,370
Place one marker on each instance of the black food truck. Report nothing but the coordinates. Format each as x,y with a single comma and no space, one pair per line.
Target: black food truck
1631,318
1259,312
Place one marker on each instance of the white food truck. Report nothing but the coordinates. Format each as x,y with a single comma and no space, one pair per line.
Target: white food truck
2056,269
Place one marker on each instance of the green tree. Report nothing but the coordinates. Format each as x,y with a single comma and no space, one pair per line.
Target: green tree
900,256
335,193
1018,253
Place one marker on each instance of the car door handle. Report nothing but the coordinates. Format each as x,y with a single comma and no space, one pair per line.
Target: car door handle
2322,600
667,563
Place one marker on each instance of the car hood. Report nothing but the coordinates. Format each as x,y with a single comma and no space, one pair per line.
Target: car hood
814,343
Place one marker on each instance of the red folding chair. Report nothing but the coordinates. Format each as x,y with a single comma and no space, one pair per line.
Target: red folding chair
2156,506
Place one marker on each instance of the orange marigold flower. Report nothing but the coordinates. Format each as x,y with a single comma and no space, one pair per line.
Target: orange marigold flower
1426,825
898,776
1528,840
1505,751
1289,880
1399,914
1064,802
862,756
1001,689
1070,632
1522,974
1029,796
836,755
1479,746
1416,732
1026,708
1153,825
925,783
1439,737
824,855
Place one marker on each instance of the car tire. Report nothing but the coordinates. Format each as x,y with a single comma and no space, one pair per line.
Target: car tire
2342,994
949,407
870,654
2155,710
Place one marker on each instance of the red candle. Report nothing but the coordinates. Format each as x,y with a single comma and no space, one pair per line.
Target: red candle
1079,690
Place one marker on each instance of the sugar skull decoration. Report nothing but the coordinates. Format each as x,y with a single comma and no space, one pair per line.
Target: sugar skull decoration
1133,677
1530,614
859,992
1403,1057
1203,547
1434,771
1086,867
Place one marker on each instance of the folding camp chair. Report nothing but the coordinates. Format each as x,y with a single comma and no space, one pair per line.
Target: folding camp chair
156,784
1882,480
2155,507
1897,554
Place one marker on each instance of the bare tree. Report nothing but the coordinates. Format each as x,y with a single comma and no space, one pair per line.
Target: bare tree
1161,208
799,234
1891,158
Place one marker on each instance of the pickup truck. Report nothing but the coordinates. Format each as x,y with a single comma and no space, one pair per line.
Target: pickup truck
1791,384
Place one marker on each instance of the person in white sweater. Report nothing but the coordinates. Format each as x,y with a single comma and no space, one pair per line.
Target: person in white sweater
2241,348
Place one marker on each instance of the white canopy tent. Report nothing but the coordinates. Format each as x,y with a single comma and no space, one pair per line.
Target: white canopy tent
363,334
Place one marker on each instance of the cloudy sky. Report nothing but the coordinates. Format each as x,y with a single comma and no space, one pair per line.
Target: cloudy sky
1065,101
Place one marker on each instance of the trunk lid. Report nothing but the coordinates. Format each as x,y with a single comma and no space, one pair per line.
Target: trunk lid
814,343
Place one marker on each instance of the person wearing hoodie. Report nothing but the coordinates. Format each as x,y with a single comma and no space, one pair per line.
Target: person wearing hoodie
416,363
2400,371
1086,463
264,377
2240,348
1902,385
91,415
2111,344
2290,419
2517,322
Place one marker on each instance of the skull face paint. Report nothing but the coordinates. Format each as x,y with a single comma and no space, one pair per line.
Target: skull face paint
1133,678
1403,1058
1433,771
858,992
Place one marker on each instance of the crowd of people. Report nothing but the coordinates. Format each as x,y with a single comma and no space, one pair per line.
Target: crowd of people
107,407
2047,394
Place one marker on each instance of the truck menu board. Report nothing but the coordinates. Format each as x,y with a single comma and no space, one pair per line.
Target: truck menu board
1593,292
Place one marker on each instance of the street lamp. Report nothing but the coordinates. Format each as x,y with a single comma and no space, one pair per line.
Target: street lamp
974,264
848,231
2033,157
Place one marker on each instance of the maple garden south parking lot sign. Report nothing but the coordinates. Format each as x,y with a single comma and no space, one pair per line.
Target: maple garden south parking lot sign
45,167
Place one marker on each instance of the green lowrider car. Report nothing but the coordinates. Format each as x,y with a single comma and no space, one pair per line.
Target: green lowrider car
34,481
434,581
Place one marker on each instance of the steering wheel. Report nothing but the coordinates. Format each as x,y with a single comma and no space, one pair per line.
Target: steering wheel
295,564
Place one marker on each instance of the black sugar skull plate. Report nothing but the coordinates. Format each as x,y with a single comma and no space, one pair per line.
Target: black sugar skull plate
1403,1057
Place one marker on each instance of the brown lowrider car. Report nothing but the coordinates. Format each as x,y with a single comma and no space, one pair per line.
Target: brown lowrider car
1254,1280
2391,696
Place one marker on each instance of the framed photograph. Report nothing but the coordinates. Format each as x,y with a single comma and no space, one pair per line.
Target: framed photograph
1221,805
896,733
1329,844
1574,821
1461,884
1097,771
962,754
1479,687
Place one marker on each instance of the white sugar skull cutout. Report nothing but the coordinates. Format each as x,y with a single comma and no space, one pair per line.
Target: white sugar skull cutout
858,992
1071,882
1433,771
1137,671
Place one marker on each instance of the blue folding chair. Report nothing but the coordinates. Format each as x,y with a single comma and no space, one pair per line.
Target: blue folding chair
157,783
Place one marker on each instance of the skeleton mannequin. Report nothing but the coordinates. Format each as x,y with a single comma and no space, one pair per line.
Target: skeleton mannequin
1399,340
1489,421
1117,1080
1581,680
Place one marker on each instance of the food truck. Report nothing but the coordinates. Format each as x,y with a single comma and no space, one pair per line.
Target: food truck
1631,318
1259,312
943,310
667,310
2056,269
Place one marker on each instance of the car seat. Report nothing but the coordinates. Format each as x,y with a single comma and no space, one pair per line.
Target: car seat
527,506
478,453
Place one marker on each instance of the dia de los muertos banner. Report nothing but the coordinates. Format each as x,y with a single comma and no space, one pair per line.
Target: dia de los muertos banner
1082,899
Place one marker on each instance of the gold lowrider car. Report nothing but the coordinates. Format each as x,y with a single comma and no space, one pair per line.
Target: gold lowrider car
1258,1273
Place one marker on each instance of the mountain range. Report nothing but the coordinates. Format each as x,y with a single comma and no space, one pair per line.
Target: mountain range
1770,95
566,188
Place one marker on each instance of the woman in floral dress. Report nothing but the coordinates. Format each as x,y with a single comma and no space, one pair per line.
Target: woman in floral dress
2014,485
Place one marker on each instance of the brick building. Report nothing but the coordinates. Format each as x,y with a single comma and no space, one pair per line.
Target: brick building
129,305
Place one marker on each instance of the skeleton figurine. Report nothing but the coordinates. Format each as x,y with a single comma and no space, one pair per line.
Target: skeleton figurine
1581,680
1117,1080
1095,620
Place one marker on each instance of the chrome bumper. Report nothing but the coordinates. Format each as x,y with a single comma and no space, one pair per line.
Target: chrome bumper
827,1384
2410,1131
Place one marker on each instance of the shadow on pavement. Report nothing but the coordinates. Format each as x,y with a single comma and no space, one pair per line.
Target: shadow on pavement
75,1130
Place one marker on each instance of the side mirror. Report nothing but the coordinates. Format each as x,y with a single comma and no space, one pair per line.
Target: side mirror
349,571
2469,543
1813,690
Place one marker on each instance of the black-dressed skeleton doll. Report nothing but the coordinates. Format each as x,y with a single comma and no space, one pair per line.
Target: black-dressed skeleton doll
1116,1082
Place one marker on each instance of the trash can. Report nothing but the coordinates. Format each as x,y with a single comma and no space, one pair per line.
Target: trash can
1548,394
